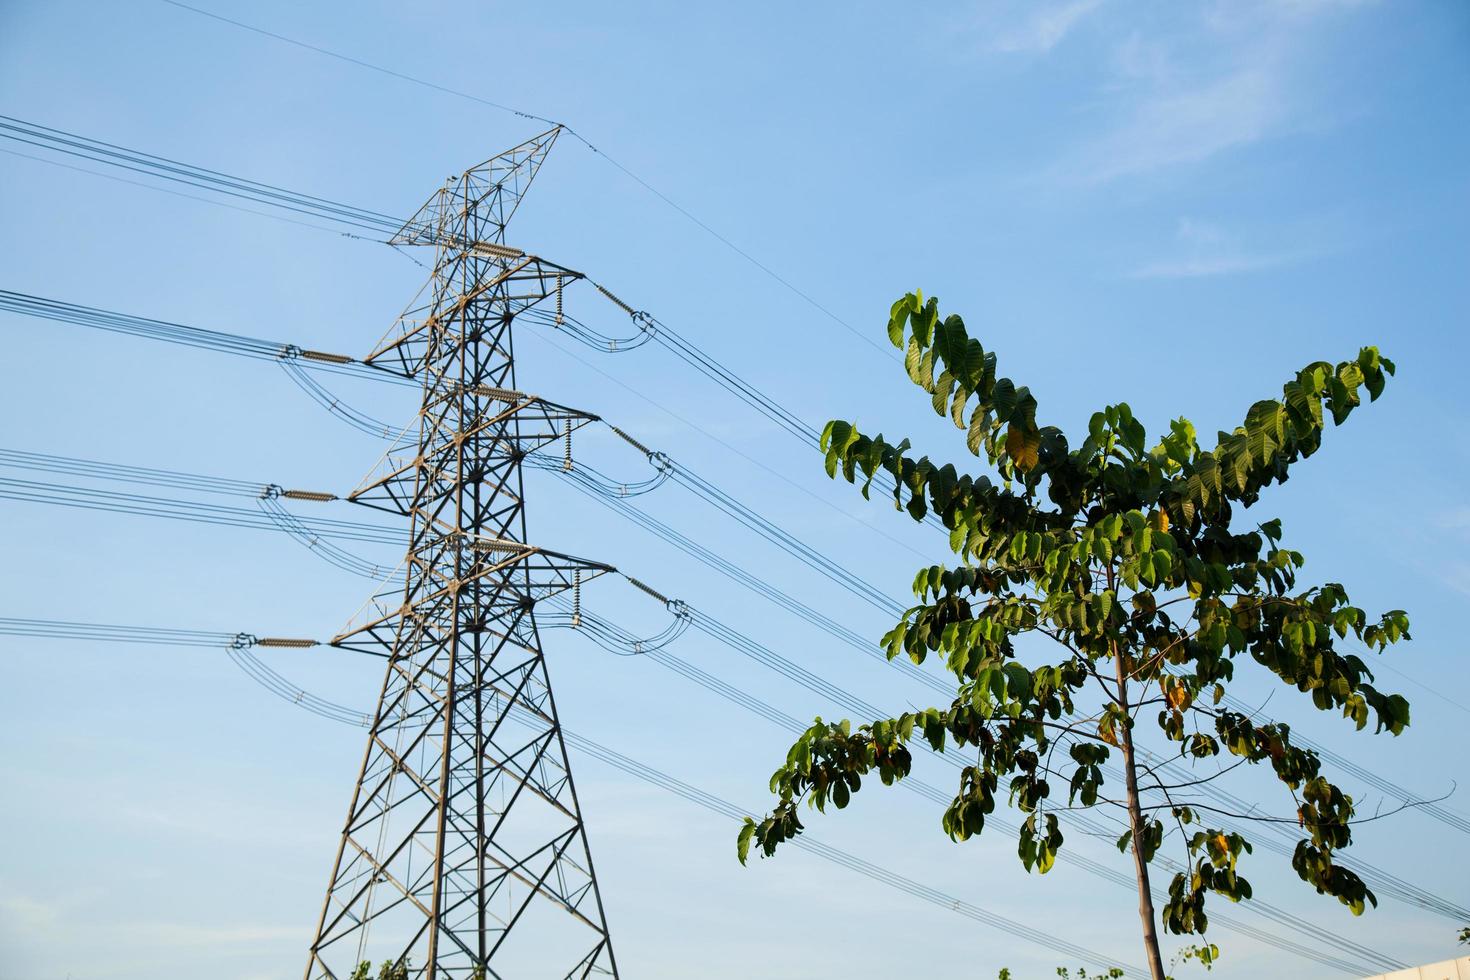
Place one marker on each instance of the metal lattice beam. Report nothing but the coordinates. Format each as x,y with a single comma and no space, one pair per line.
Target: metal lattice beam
464,852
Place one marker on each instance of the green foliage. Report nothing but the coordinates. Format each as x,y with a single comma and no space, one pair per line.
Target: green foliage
1136,560
1113,974
1206,954
389,970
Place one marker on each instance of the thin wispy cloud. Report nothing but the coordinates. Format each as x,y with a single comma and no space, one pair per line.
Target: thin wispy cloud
1043,27
1187,126
1218,81
1454,519
36,916
191,934
27,914
1202,249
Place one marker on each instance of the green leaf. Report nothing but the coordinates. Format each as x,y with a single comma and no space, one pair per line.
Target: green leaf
1115,551
898,317
742,846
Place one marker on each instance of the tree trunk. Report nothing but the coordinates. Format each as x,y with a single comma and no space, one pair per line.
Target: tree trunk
1135,823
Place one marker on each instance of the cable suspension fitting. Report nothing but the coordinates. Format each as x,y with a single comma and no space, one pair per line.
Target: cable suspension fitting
650,590
316,355
507,395
631,441
606,292
496,250
576,598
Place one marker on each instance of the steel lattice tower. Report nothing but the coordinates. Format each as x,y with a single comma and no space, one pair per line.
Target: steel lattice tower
464,852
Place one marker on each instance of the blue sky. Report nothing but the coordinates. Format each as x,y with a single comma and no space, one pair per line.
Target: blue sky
1175,206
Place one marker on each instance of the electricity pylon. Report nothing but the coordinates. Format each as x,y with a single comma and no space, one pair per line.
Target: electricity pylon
464,853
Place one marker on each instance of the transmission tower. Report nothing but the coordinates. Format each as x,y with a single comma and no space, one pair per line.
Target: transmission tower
464,853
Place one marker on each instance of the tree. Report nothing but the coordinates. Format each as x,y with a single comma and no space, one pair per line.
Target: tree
1138,565
388,970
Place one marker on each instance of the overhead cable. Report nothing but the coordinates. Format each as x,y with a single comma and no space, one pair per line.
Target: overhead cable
175,171
570,131
288,691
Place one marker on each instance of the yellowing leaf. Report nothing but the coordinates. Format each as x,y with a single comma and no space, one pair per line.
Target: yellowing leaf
1178,697
1023,446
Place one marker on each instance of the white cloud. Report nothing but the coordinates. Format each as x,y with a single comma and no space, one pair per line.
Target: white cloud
1204,249
1455,575
1139,58
1045,27
1454,518
28,915
1208,83
1186,125
187,934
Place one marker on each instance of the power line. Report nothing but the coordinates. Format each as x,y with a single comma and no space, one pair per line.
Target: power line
191,197
744,391
708,491
223,342
188,510
570,131
273,195
1366,957
164,168
342,713
295,360
611,637
1380,879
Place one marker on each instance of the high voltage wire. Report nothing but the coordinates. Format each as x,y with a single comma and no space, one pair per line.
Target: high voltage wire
294,359
1382,879
755,461
1367,957
240,344
584,479
175,193
617,640
844,859
875,597
251,347
746,516
177,333
713,627
285,689
154,636
570,131
164,168
236,645
273,195
188,510
212,180
1389,884
46,462
269,194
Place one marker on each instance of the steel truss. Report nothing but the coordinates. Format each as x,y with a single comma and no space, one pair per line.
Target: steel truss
464,853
